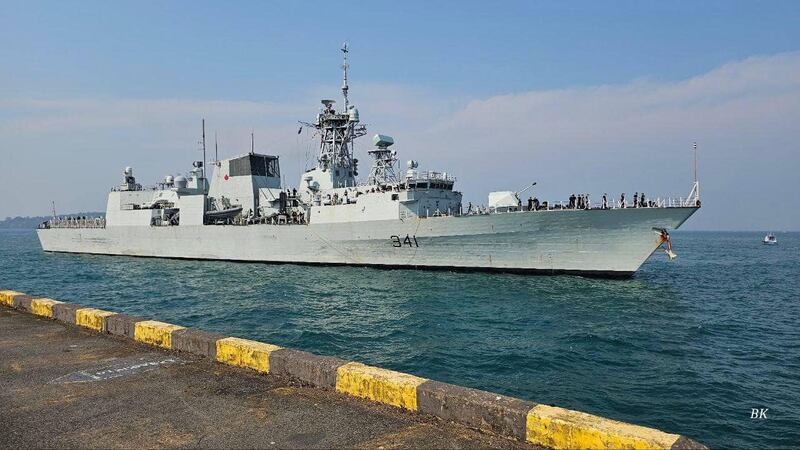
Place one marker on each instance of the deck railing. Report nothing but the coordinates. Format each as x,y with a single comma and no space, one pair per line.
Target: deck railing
75,222
659,202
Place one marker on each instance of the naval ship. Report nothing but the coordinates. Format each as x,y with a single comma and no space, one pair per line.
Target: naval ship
398,217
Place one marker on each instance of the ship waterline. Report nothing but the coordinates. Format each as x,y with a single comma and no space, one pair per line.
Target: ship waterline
591,242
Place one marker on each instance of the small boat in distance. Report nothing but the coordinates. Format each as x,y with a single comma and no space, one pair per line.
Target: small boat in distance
770,239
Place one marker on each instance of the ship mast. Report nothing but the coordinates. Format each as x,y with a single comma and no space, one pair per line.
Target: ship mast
693,199
696,183
345,66
337,130
204,147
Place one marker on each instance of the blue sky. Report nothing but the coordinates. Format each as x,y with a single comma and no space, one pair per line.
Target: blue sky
93,86
253,50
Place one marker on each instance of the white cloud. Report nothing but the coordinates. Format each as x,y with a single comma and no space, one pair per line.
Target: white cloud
614,138
637,136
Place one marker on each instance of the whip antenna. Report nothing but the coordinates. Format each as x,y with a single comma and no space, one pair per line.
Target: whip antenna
204,147
345,66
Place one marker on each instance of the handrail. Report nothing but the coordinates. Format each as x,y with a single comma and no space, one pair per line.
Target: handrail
75,222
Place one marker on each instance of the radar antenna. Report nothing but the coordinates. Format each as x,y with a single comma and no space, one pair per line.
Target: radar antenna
382,171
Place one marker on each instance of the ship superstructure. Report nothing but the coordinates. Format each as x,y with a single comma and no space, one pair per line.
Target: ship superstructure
397,218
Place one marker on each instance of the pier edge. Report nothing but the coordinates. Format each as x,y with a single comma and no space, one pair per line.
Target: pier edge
505,416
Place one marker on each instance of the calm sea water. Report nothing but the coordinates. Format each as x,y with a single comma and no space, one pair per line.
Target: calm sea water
688,346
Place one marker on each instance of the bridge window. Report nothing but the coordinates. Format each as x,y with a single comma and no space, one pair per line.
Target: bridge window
255,165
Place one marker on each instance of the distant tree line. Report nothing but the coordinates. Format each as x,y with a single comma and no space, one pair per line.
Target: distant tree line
20,222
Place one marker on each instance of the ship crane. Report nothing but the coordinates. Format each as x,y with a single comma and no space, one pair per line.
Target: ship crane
525,189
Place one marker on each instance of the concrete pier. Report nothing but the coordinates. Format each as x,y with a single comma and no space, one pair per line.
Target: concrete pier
63,386
443,412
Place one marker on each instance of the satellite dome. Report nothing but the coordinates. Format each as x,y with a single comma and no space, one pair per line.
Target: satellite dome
180,181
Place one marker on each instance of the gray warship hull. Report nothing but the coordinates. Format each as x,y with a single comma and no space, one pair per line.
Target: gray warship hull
613,242
408,218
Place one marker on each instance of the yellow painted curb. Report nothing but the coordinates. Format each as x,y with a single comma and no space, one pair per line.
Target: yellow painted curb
7,297
155,333
380,385
43,306
92,318
560,428
245,353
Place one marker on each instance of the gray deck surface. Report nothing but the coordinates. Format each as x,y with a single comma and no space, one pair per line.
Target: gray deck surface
62,386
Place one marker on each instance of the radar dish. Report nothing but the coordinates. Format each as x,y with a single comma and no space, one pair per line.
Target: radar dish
382,140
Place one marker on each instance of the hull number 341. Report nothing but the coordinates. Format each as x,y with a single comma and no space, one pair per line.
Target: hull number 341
409,241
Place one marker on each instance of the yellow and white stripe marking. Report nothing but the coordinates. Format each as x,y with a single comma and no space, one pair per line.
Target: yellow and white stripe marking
380,385
245,353
155,333
43,306
560,428
7,297
92,318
